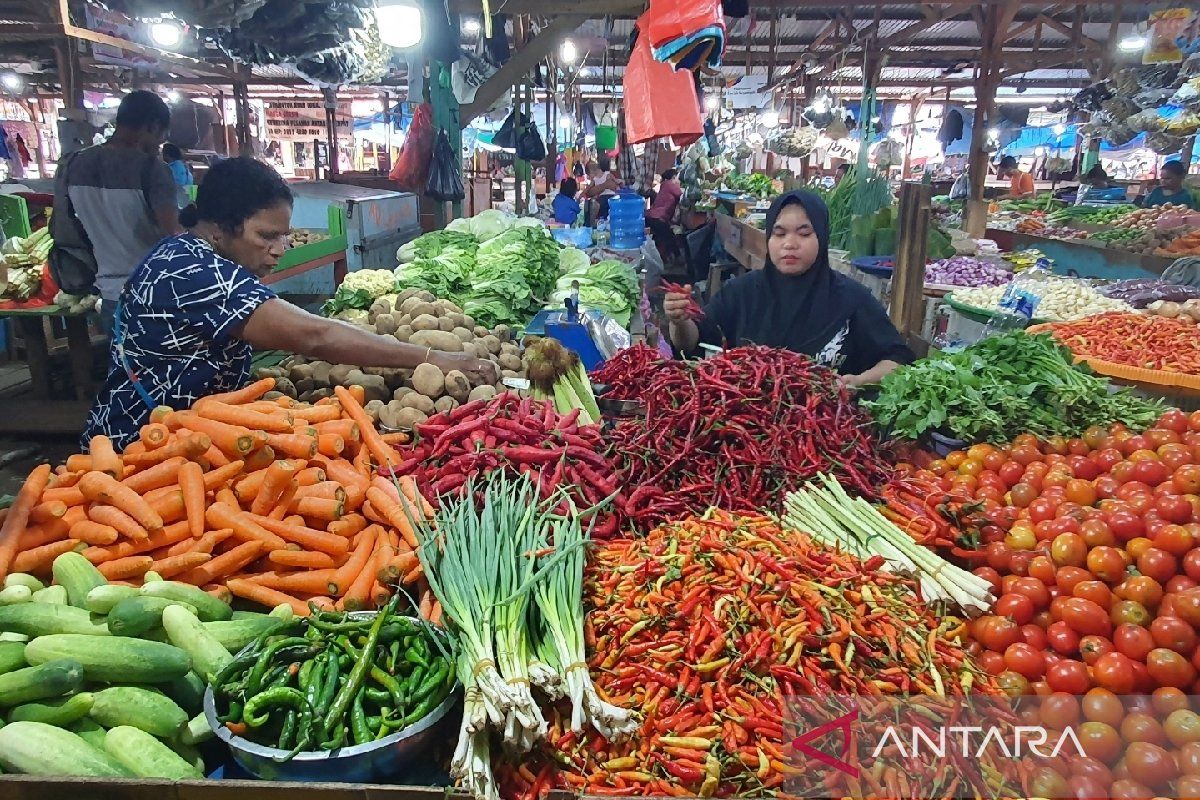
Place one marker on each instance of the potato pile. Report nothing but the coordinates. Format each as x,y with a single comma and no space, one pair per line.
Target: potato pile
298,237
401,398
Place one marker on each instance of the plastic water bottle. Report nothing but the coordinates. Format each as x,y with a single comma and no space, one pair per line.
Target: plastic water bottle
627,220
1019,303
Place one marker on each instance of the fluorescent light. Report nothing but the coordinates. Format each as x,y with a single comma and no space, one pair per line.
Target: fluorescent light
769,119
1059,129
471,25
568,51
820,105
1131,44
711,103
166,34
993,133
11,81
400,23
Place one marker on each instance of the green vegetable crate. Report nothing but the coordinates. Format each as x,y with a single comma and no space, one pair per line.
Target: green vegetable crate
326,247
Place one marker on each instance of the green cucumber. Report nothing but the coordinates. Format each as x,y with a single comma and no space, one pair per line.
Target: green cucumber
147,757
102,599
134,616
12,656
188,753
78,576
151,576
237,633
13,636
144,709
41,619
208,608
88,730
113,659
51,596
187,691
35,748
47,679
197,730
23,579
188,634
60,712
15,594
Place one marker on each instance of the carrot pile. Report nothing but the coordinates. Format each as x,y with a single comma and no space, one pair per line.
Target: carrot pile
272,501
1136,340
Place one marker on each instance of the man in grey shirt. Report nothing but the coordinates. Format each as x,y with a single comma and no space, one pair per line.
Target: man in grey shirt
117,199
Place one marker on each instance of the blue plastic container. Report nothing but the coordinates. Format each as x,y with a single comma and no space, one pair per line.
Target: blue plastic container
627,220
576,237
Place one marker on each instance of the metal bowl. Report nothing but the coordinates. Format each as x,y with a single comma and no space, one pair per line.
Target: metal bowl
405,751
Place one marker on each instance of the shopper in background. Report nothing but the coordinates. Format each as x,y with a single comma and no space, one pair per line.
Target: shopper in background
192,313
1170,189
122,196
173,157
604,184
1020,182
566,207
662,213
797,302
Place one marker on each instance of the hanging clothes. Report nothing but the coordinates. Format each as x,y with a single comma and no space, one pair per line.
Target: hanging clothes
658,100
685,33
951,129
4,146
497,44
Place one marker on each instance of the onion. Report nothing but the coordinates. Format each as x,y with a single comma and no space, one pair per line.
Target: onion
1167,309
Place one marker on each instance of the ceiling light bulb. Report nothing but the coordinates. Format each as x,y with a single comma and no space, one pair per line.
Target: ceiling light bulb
471,25
1131,44
769,119
568,52
400,23
993,133
711,103
166,34
11,81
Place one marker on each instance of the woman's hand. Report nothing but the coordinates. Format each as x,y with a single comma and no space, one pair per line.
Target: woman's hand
675,305
478,370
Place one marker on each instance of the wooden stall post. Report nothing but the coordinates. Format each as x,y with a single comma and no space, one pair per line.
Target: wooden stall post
908,276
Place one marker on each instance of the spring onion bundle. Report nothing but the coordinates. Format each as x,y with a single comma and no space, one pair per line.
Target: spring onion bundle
557,374
823,509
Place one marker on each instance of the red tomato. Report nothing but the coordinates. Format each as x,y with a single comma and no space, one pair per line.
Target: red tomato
1081,491
1133,641
1042,509
1180,583
1062,638
1042,568
996,633
1011,683
1150,765
990,575
1189,758
1182,726
1068,549
1069,676
991,663
1034,636
1140,726
1025,660
1186,479
1125,525
1129,612
1174,456
1168,668
1106,486
1086,617
1096,591
1096,533
1099,740
1114,672
1017,607
1127,789
1010,473
1101,705
1173,634
1173,420
1175,539
998,556
1034,589
1018,563
1067,578
1191,563
1187,606
1140,589
1092,647
1173,508
1151,472
1166,699
1107,563
1107,458
1157,564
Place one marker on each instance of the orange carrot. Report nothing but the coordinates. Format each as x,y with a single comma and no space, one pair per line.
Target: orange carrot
363,551
319,508
308,476
169,535
100,487
247,394
342,471
345,428
222,475
225,495
191,482
132,449
293,445
63,479
79,462
234,441
220,592
383,453
153,435
302,559
157,476
265,596
38,559
47,510
285,501
358,594
214,457
318,415
409,488
396,437
189,446
18,515
398,514
308,538
399,565
348,525
160,413
227,563
435,612
328,490
413,575
279,422
67,495
104,457
426,606
315,581
380,594
205,544
93,532
38,535
169,505
330,444
114,517
362,461
128,567
174,565
261,458
245,526
277,478
75,514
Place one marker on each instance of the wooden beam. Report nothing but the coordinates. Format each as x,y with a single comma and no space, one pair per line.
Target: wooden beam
515,69
908,278
1072,35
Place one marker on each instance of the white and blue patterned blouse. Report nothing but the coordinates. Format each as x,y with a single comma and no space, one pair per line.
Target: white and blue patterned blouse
176,326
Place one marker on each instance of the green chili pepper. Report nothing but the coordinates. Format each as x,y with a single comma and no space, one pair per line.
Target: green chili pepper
423,708
324,625
332,673
389,683
359,730
376,696
277,697
288,731
414,656
234,714
267,656
241,662
393,656
436,677
354,681
398,628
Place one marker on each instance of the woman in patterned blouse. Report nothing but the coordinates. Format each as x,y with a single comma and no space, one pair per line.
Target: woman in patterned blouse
192,313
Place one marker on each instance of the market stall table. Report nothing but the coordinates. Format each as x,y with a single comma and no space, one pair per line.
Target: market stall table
743,241
1083,258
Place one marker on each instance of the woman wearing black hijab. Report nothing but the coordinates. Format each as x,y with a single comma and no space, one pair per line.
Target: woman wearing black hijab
798,302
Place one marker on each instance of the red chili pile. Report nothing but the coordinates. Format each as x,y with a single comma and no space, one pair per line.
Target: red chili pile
738,431
522,437
712,626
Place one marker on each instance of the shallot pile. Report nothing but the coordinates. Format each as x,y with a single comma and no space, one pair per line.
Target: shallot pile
966,271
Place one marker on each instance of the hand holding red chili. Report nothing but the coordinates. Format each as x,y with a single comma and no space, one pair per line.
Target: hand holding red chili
679,303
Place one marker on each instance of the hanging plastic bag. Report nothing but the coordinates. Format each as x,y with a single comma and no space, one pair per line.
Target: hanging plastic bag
445,181
668,20
411,170
506,137
530,146
658,100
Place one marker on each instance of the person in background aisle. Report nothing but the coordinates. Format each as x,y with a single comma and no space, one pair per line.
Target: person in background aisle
797,302
662,213
1020,184
194,311
1170,189
173,157
841,172
604,184
121,194
566,207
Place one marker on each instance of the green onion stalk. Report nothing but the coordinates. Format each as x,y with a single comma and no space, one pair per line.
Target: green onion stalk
823,509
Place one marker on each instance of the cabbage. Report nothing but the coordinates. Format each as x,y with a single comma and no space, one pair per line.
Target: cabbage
490,223
572,259
407,252
462,225
529,222
609,286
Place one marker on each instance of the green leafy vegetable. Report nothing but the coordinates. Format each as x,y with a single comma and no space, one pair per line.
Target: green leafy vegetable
610,286
1001,387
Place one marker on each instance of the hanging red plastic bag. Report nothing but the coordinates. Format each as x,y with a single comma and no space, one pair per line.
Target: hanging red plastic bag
658,100
667,20
411,170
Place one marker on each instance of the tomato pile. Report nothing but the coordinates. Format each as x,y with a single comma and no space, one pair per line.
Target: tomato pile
1092,547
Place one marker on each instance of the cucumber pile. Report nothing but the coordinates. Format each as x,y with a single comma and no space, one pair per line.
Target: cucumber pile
332,681
108,680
